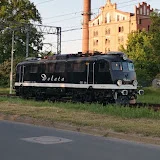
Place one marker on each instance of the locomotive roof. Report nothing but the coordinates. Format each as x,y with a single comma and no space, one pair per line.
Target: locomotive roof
110,56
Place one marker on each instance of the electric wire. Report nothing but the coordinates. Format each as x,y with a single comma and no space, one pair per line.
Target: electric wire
79,16
62,15
44,2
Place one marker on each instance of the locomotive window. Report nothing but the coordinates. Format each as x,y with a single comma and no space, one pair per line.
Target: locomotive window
125,66
27,69
18,69
50,67
116,66
69,67
79,67
103,67
130,66
60,67
34,69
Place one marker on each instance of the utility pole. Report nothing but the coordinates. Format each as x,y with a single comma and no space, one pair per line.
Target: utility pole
11,73
27,41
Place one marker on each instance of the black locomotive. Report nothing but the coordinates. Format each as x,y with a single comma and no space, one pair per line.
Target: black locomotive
95,78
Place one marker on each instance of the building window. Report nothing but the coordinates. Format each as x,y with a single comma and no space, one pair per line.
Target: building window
120,29
95,33
117,17
140,10
107,41
122,39
98,21
148,12
119,39
140,21
123,18
107,31
96,42
144,10
148,27
108,18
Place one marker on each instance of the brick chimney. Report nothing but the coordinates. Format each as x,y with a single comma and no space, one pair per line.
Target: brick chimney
86,18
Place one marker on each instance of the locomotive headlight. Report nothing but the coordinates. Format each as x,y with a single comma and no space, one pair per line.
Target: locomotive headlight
119,82
135,83
124,57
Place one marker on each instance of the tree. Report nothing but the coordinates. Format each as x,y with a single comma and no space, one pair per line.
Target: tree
17,15
144,48
155,32
140,50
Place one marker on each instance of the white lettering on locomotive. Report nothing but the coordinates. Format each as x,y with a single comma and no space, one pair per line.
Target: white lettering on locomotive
51,78
44,77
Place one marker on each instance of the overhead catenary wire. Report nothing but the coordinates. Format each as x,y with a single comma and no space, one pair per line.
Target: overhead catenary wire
46,1
81,16
75,13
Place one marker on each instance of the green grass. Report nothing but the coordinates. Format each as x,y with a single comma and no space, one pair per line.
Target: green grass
151,95
102,119
4,90
112,110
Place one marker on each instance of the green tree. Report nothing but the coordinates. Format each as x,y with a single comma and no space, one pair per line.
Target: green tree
140,50
155,32
14,15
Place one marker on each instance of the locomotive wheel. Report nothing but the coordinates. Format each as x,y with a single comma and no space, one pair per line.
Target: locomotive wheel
27,93
122,100
39,95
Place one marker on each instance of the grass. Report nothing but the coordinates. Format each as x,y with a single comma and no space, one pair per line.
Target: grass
151,95
103,118
111,118
111,110
4,90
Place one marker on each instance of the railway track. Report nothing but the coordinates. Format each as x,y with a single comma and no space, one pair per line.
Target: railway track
155,107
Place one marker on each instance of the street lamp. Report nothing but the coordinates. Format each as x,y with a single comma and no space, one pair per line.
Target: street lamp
11,73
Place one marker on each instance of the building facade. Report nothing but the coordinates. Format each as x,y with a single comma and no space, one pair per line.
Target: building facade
111,27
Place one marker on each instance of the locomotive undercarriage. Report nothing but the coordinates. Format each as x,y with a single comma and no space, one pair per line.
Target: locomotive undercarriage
79,95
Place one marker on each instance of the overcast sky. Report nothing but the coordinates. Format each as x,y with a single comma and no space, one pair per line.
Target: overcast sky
67,14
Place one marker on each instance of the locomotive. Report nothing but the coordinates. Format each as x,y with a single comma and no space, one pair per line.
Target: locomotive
106,78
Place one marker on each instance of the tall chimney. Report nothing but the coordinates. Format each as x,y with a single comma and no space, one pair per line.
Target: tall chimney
86,18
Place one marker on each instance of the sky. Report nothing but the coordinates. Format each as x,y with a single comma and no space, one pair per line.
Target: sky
67,15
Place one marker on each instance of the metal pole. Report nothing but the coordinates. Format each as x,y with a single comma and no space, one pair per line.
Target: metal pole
11,73
27,41
58,40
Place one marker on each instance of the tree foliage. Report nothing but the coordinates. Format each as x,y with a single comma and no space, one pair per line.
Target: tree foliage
144,49
17,15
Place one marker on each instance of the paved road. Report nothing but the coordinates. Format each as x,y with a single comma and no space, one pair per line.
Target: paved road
19,141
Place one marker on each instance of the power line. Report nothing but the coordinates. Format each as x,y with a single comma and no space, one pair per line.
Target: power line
81,12
71,13
44,2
